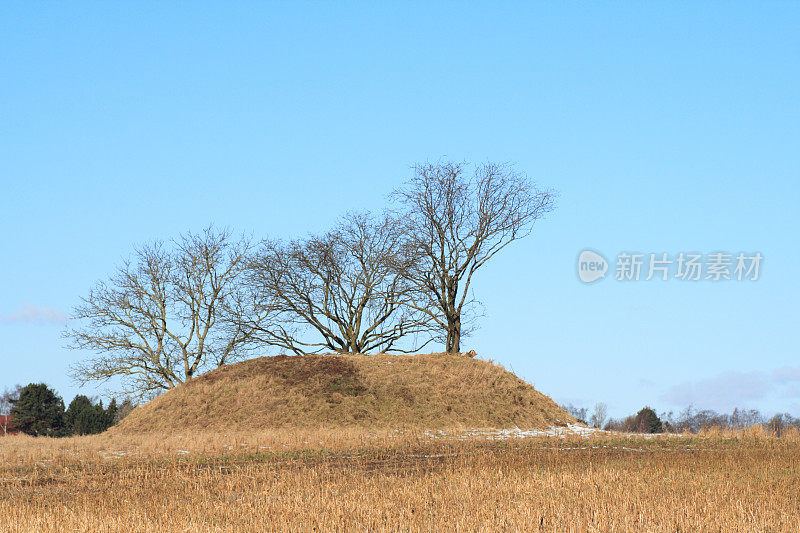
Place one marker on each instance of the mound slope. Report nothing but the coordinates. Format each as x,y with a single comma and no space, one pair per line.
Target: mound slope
375,391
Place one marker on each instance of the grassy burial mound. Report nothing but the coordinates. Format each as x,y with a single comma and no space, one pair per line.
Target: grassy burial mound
327,391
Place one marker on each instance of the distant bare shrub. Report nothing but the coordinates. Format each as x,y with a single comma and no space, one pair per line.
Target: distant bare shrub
577,412
599,415
776,425
124,409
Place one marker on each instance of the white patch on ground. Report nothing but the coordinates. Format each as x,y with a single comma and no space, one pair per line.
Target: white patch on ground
517,433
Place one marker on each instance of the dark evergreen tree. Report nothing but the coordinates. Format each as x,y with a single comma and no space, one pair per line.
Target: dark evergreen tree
74,419
111,413
647,421
38,411
84,417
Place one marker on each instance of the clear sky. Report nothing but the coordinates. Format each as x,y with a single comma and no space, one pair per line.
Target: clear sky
666,128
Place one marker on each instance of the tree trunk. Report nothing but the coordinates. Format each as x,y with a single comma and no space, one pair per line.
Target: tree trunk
454,334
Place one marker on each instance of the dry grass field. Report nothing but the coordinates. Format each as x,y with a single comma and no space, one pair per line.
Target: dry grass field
360,480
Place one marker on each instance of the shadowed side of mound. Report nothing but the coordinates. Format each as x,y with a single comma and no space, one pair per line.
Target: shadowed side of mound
330,391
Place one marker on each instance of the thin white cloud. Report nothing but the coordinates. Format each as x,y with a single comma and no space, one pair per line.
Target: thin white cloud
736,389
786,374
722,393
34,314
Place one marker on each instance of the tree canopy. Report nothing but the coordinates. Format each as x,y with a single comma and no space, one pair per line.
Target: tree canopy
85,417
38,411
373,283
165,316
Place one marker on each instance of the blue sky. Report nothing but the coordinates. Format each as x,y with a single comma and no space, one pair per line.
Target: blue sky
664,127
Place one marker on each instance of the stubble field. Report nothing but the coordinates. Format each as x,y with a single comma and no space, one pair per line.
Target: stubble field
343,480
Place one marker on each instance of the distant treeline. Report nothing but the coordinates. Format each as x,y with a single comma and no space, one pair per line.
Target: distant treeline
38,410
690,420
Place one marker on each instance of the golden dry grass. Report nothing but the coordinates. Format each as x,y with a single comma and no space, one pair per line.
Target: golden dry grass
353,479
389,391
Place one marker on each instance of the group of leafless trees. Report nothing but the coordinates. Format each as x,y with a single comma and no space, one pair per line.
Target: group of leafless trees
596,419
693,420
394,281
690,420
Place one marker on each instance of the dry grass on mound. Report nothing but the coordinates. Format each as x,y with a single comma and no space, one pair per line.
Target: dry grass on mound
375,391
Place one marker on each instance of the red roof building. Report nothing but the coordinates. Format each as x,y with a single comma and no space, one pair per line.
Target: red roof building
7,426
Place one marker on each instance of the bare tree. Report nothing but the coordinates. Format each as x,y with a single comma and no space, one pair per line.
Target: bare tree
456,224
123,410
166,315
599,415
6,403
577,412
344,291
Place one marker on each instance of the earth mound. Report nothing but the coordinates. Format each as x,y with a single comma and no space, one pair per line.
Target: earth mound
328,391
